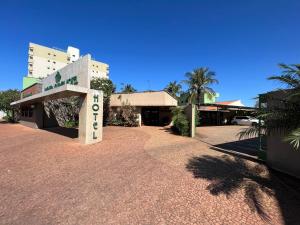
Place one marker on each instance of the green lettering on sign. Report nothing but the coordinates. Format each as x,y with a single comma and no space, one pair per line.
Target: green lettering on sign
58,82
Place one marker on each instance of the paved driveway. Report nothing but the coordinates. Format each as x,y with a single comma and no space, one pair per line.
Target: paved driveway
226,137
135,176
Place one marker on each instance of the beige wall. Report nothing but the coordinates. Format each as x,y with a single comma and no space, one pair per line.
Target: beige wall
159,98
43,61
281,156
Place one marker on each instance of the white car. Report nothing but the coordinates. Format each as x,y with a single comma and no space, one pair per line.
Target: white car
244,120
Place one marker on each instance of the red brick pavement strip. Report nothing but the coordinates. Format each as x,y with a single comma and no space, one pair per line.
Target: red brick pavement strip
134,176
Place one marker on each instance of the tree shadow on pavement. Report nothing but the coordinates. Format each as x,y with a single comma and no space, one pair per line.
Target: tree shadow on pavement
230,174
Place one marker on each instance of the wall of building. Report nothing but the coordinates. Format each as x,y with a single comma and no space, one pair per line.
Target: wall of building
43,61
99,69
28,81
281,156
158,98
31,90
32,115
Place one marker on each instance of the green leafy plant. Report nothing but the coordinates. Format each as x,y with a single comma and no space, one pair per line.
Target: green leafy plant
180,122
173,88
7,97
283,116
71,124
108,88
198,82
128,88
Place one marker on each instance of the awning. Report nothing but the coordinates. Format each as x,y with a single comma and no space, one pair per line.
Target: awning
64,91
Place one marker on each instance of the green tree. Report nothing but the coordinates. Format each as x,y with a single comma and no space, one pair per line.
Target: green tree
283,117
7,97
198,82
108,88
173,88
103,84
128,88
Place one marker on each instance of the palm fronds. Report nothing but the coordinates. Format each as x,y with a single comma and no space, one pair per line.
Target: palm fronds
294,138
282,114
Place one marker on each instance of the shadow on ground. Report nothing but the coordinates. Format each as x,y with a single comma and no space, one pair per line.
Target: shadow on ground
67,132
228,175
246,146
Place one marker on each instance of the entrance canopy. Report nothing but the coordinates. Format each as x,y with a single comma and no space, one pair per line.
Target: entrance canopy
71,80
61,92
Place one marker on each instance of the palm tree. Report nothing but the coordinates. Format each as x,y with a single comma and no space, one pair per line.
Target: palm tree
173,88
128,88
198,82
286,117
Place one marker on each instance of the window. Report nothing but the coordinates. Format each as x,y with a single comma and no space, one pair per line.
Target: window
48,60
53,68
31,49
31,57
30,64
30,72
54,62
49,53
48,67
54,55
27,112
73,55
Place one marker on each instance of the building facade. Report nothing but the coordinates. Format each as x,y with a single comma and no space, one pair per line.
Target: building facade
152,108
43,61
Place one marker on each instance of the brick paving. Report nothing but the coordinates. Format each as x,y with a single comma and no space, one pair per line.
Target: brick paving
134,176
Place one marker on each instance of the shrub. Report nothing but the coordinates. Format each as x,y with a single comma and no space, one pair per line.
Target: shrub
71,124
125,116
180,122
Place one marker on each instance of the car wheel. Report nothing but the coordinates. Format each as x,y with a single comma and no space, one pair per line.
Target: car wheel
235,123
254,124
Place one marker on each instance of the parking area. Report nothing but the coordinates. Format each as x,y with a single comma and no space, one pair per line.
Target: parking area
134,176
226,137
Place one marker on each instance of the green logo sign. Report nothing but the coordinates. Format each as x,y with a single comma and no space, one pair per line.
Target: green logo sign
58,82
57,77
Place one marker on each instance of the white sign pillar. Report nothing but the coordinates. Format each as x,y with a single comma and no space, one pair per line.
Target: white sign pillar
91,118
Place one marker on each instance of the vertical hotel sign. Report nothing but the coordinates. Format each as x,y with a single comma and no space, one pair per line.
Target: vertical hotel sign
91,115
95,110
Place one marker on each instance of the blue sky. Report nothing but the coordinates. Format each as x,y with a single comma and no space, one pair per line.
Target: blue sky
149,43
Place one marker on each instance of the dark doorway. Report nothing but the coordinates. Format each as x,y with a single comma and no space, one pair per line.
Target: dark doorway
150,116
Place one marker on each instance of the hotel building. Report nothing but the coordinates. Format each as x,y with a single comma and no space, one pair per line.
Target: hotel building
43,61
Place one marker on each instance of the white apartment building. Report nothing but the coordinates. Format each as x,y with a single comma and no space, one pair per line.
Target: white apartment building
43,61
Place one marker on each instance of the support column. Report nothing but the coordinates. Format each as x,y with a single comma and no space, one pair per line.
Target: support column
91,118
190,112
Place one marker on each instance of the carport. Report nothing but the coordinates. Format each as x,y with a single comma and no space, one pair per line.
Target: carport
221,114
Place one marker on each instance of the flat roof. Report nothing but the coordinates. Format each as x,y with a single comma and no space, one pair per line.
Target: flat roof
64,91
